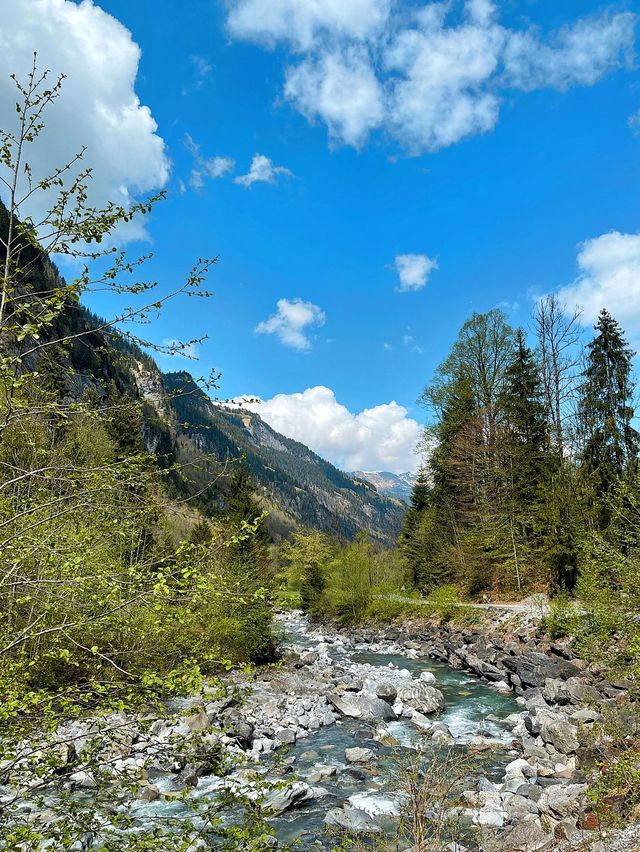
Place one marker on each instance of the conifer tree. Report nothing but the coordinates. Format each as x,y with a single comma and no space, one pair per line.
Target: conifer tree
610,442
523,455
526,440
251,549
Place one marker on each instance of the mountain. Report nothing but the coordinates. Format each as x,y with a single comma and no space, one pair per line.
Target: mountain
305,488
180,423
396,485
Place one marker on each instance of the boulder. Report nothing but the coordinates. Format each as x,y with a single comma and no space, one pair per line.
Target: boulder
358,755
559,733
287,736
563,800
351,820
363,706
526,836
279,801
423,697
387,692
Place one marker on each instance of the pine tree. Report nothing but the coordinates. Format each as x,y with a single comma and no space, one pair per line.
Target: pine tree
610,442
252,547
410,543
430,528
523,456
526,439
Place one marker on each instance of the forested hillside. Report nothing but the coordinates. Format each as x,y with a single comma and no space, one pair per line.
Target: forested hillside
305,488
534,482
178,422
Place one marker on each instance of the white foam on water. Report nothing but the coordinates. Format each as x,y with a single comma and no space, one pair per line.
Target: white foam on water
374,804
406,735
464,726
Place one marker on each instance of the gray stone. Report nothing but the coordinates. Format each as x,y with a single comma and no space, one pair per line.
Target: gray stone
526,836
279,801
386,691
560,733
425,698
352,820
287,736
148,793
564,800
359,755
369,708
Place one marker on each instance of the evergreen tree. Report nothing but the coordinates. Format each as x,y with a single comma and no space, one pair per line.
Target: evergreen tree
523,456
251,549
610,442
201,532
410,543
526,440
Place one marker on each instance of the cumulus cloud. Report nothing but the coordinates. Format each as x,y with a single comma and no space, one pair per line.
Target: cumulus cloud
303,21
204,167
98,106
262,169
341,89
426,75
609,278
292,322
380,438
413,271
578,55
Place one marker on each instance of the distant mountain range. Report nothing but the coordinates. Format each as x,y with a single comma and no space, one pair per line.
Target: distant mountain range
396,485
297,485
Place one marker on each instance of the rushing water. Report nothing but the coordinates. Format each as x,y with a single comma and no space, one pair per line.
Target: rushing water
473,709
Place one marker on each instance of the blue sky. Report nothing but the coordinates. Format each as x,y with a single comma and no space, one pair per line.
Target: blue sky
488,145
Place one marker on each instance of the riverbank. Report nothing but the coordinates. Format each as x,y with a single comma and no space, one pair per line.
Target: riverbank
325,741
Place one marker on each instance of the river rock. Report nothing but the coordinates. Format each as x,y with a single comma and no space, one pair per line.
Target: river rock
563,800
559,733
279,801
387,692
359,755
287,736
527,836
519,768
321,773
425,698
370,708
352,820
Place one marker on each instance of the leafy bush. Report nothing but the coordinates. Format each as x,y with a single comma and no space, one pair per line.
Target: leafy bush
445,601
563,618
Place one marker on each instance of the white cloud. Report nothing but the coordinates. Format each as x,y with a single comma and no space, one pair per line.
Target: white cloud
578,55
378,438
439,88
610,278
203,167
410,342
262,169
342,90
634,123
413,271
427,76
292,322
202,66
98,106
303,21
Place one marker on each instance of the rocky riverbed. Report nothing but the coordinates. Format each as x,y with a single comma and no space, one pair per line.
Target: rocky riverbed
323,739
